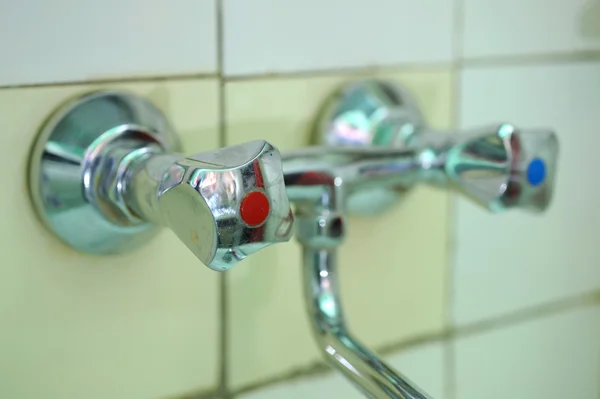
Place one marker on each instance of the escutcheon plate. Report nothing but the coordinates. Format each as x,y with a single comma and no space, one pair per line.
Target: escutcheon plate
96,128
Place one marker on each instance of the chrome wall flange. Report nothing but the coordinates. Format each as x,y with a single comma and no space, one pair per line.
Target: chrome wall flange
103,128
106,174
369,113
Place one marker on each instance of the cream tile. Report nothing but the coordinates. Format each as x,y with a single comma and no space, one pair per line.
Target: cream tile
423,364
537,258
557,356
142,325
199,395
526,27
62,40
390,295
322,387
263,36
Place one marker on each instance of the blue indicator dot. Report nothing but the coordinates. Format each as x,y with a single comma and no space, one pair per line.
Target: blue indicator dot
536,172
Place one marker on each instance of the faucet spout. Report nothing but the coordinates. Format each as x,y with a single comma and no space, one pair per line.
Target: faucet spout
375,146
341,350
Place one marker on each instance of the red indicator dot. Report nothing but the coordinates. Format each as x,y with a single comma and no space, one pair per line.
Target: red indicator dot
254,208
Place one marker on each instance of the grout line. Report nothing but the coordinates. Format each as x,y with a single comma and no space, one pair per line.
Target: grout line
315,369
508,60
458,29
115,80
449,378
198,395
448,356
223,386
529,314
532,59
449,363
362,70
412,342
487,61
219,36
524,315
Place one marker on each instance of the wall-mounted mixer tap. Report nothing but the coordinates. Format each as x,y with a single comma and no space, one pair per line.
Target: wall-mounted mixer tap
374,147
106,171
373,136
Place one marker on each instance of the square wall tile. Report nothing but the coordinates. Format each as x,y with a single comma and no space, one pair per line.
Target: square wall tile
61,40
556,356
140,325
524,27
535,258
266,36
424,365
392,267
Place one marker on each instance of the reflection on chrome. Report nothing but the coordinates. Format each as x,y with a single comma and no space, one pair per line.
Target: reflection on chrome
106,173
376,147
204,206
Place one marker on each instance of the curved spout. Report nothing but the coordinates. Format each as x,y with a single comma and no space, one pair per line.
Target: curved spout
361,366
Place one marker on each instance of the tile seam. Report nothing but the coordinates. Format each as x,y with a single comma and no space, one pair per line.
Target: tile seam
223,327
488,61
319,368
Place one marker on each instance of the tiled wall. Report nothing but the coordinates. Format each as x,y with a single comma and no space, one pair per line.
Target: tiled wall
467,304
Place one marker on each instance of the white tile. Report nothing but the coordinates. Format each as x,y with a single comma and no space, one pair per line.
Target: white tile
62,40
423,365
554,357
278,36
330,386
510,27
514,260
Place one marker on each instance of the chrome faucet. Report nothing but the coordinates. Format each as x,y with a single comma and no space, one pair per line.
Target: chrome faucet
375,146
106,172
